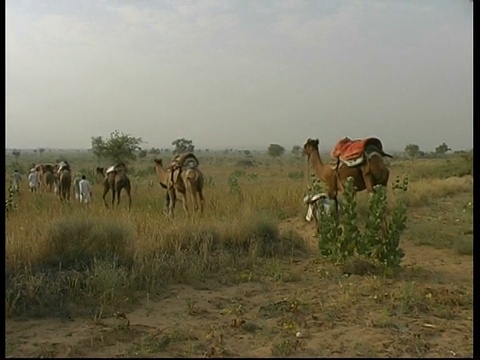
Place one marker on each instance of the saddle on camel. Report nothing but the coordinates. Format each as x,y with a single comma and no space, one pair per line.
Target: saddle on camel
116,168
354,152
182,162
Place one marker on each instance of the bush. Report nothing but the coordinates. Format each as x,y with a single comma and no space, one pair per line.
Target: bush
341,239
74,242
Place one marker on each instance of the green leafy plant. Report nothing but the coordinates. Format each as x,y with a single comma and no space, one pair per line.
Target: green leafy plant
10,205
340,239
234,185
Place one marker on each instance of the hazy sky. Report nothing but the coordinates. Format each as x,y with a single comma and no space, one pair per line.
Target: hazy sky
239,74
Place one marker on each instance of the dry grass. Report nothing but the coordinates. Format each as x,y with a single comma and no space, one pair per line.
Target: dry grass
68,260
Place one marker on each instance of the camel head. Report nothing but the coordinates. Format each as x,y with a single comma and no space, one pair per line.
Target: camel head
158,161
310,146
100,171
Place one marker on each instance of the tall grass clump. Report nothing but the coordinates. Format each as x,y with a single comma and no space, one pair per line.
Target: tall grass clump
74,242
190,252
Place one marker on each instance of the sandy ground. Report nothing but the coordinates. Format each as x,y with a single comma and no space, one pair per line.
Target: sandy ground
307,309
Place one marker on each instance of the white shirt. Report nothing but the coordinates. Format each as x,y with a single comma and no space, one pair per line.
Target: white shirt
84,187
33,179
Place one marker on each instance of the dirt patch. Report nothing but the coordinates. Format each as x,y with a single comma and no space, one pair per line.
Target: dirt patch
316,311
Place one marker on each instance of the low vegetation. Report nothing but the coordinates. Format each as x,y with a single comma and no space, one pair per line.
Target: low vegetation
66,260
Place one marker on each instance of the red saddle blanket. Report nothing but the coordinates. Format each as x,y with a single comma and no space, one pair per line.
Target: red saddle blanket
348,149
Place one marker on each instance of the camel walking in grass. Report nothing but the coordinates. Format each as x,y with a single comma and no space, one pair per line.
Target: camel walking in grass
361,160
46,176
64,176
182,177
115,179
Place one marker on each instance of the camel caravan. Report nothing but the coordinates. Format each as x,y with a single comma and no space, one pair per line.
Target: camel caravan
55,178
181,178
361,159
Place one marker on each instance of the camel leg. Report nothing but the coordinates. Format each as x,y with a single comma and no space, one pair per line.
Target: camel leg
193,196
113,197
105,192
167,203
183,196
118,196
202,200
173,198
367,177
129,198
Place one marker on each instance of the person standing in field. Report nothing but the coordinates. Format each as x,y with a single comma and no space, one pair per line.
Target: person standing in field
16,180
33,180
85,190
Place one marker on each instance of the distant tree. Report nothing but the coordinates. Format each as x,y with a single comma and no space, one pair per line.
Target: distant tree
119,147
142,153
41,150
296,151
275,150
442,149
35,151
183,145
247,152
412,151
154,151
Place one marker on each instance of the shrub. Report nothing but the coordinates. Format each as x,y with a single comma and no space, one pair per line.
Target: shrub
10,205
342,239
74,242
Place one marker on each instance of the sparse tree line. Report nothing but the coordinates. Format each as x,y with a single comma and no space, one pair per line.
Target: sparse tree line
120,147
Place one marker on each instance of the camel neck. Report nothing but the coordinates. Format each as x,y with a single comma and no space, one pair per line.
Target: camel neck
318,165
161,172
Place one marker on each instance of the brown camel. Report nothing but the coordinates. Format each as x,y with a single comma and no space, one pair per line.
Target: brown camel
179,178
64,176
116,179
46,176
369,172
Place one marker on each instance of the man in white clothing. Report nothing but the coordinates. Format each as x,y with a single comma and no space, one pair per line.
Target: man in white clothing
85,190
33,180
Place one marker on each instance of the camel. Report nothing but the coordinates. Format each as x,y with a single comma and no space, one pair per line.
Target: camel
46,176
180,178
64,176
116,179
367,173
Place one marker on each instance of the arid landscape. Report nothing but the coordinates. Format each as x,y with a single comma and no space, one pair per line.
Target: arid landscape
245,278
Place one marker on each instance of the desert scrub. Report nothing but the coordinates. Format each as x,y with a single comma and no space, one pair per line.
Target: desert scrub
10,205
99,264
74,242
341,238
233,184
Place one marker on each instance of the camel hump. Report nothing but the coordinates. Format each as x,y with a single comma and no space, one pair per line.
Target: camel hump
48,167
116,167
64,165
348,149
188,160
